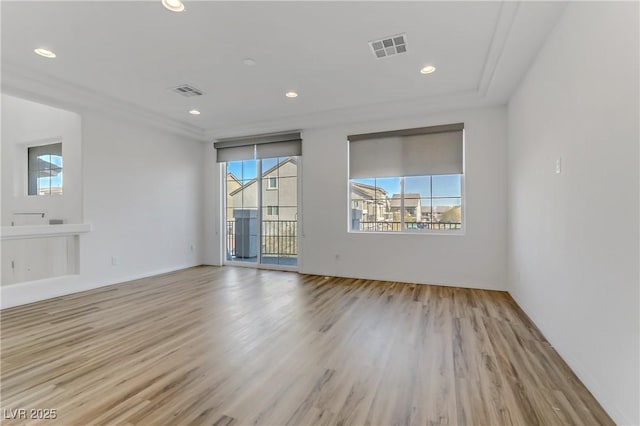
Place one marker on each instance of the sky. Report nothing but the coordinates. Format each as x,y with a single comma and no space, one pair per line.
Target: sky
442,185
247,170
56,181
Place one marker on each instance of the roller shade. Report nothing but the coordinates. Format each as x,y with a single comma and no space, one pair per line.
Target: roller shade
423,151
235,154
279,149
259,146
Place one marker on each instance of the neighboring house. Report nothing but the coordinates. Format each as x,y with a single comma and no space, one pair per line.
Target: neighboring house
412,207
233,183
279,213
416,212
279,193
372,202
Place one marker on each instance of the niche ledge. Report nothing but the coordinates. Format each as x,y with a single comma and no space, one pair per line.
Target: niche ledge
39,231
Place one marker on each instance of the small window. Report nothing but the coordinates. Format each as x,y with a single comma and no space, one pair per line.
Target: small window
272,183
45,169
273,210
407,180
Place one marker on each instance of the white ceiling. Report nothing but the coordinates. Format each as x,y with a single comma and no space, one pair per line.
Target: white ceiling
127,54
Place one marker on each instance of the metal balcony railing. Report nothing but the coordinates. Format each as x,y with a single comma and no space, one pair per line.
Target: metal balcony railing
278,238
397,226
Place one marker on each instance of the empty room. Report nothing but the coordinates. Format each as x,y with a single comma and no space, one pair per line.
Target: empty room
320,213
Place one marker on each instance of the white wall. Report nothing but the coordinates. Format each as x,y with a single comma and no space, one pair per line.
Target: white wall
29,259
24,124
143,195
475,259
142,192
573,238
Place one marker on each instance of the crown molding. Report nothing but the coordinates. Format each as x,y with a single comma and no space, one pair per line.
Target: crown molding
501,33
38,87
342,116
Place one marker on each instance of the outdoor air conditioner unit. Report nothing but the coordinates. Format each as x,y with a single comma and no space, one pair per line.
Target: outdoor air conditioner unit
246,232
356,216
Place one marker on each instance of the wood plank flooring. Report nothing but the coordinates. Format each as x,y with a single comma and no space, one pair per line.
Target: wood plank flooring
235,346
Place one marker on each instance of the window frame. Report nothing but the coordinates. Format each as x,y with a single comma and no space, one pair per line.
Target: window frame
269,186
403,228
273,211
224,214
39,144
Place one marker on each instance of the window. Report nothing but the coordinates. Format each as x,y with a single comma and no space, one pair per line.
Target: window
407,181
45,169
272,183
273,210
407,203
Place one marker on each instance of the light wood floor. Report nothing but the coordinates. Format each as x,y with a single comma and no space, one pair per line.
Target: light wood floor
240,346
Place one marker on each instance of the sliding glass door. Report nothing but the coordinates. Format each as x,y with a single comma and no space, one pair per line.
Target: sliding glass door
279,208
262,211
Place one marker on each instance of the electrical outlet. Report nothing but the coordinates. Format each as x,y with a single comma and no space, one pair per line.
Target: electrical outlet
192,248
558,165
114,260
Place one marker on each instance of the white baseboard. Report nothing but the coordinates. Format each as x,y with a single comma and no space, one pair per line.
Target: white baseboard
401,280
591,383
35,291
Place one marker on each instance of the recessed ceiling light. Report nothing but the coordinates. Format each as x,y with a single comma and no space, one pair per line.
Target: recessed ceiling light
173,5
291,94
44,52
249,62
194,112
428,69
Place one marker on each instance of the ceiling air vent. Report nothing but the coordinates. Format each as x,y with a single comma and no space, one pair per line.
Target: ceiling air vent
188,91
389,46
